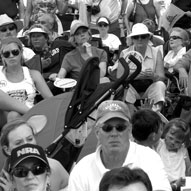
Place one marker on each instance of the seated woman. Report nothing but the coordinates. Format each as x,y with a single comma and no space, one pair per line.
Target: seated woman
178,41
75,59
17,81
108,39
152,74
29,168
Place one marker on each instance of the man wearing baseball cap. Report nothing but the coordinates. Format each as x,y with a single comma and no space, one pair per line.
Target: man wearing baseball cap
113,131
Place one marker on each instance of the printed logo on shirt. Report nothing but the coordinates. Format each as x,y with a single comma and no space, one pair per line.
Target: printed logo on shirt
3,83
20,95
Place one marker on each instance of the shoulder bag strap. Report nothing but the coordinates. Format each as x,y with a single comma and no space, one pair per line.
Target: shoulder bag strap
144,8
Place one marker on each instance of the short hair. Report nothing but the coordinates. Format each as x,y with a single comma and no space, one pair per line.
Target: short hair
183,34
7,128
144,122
180,129
124,176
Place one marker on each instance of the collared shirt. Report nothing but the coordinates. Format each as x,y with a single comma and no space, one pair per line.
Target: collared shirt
87,173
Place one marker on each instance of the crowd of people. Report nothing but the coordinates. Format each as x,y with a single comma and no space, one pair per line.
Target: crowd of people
136,148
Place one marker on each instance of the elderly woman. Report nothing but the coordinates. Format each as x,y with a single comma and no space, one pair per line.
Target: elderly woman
16,80
75,59
149,83
29,168
178,41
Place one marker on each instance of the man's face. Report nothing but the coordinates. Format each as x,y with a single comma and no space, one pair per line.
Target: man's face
8,30
117,138
47,21
38,40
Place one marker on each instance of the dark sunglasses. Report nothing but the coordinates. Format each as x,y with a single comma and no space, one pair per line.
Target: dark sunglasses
174,37
10,28
22,171
108,128
140,36
14,52
102,25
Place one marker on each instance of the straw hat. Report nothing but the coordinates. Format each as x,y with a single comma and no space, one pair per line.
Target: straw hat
5,20
139,29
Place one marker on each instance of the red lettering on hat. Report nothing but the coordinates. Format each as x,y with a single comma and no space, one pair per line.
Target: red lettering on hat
27,150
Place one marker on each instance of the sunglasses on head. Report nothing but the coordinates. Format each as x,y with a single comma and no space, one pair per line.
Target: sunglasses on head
102,25
10,28
108,128
144,36
14,52
174,37
22,171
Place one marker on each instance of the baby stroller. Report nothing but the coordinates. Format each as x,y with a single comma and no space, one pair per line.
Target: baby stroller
71,115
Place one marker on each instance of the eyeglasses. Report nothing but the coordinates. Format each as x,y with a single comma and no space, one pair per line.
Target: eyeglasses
174,37
22,171
102,25
14,52
10,28
140,36
108,128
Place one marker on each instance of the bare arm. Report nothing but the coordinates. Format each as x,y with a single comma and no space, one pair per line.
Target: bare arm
28,13
102,66
8,103
128,12
21,9
40,84
159,66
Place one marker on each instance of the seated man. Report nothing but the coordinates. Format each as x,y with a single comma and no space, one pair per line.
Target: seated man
113,131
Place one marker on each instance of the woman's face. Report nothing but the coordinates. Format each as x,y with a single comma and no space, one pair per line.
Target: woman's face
20,136
81,36
32,180
38,40
103,28
140,41
175,40
11,54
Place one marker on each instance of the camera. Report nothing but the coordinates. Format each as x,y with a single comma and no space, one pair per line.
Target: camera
94,10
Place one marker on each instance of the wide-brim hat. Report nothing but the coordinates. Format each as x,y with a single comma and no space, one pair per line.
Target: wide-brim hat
5,20
75,25
139,29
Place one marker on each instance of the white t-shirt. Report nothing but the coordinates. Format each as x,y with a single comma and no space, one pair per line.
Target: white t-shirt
87,173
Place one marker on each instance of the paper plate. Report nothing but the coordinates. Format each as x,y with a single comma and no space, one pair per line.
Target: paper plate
65,83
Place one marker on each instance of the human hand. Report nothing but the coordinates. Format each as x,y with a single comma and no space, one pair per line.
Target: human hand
188,13
5,181
146,104
180,182
53,76
183,78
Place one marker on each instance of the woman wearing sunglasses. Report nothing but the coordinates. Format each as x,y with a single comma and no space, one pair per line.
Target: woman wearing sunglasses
19,132
149,83
29,168
16,80
178,41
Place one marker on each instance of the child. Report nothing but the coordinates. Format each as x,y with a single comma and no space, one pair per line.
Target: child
173,151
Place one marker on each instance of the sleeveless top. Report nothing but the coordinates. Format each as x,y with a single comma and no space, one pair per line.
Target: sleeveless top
141,15
23,91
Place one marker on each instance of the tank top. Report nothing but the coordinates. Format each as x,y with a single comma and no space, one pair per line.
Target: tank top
23,91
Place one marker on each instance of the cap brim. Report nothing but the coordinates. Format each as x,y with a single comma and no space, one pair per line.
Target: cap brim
81,26
136,34
37,122
111,115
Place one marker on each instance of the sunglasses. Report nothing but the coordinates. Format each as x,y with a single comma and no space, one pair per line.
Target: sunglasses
174,37
10,28
22,171
14,52
108,128
102,25
140,37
